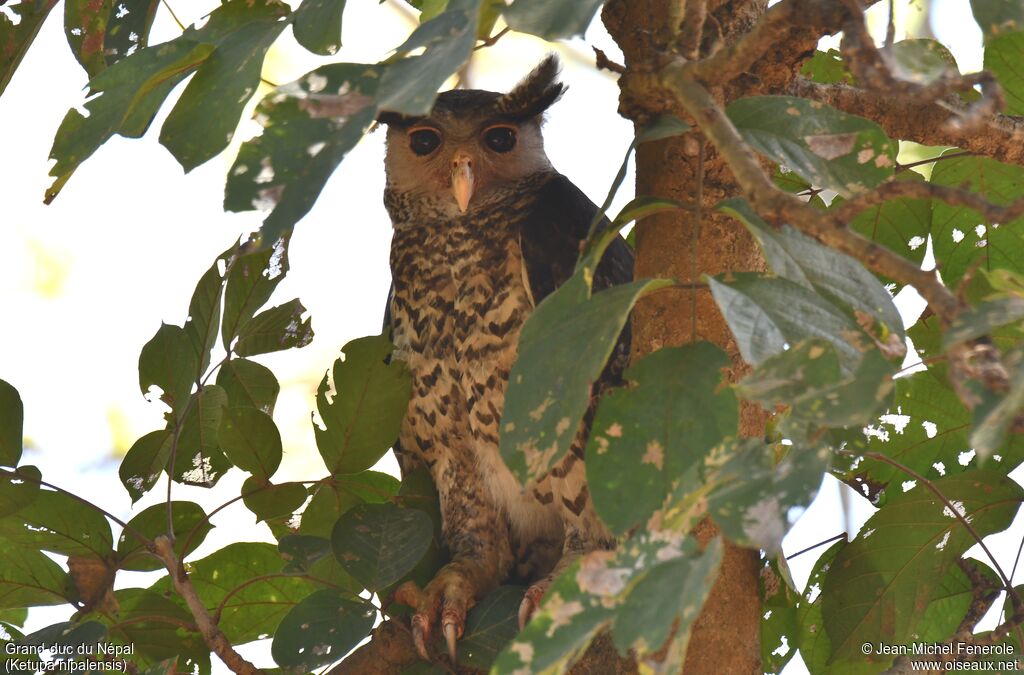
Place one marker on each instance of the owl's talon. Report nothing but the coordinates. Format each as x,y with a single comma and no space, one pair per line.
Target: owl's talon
531,601
450,636
420,635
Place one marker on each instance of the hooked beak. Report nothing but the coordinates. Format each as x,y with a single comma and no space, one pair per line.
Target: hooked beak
462,179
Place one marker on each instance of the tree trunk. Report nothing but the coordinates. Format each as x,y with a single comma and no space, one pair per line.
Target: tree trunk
685,245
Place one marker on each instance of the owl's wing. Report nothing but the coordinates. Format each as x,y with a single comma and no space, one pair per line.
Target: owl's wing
552,234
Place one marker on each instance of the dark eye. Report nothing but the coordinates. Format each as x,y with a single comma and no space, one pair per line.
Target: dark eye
500,139
424,141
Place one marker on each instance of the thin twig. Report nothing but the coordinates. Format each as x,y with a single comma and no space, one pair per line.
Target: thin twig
841,535
492,40
604,63
932,160
174,16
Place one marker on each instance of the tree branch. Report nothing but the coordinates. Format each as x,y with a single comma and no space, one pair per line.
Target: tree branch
212,634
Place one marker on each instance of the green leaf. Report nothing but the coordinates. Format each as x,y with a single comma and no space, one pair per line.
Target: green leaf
68,635
12,417
409,86
248,383
998,16
18,488
146,460
123,100
880,584
562,350
808,365
204,119
982,319
827,67
270,501
1003,54
128,28
28,578
364,417
645,436
753,494
317,25
14,617
829,148
302,550
490,625
198,458
801,259
150,625
168,361
249,609
251,441
922,61
333,497
151,523
57,522
551,20
85,25
378,544
275,329
321,629
16,38
252,278
204,314
901,225
767,313
960,236
779,624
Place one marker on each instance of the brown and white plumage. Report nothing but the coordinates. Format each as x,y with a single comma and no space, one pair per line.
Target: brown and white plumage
484,229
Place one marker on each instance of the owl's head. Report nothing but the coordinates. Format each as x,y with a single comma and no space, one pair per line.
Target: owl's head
474,146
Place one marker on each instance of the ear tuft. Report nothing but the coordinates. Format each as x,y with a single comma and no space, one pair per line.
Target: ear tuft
535,93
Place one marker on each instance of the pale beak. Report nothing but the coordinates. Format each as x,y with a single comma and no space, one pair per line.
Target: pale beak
462,179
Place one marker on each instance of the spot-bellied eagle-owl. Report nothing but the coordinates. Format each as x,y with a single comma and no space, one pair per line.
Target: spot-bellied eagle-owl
484,230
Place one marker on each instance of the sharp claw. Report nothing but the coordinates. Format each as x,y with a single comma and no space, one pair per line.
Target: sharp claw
419,639
450,631
525,612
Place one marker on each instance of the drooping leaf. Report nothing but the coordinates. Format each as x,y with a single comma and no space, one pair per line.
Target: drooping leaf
198,456
251,441
321,629
281,327
881,583
409,86
363,418
829,148
152,522
28,578
308,128
960,236
168,362
645,436
129,94
799,258
203,121
551,20
998,16
146,460
203,321
378,544
248,383
317,25
767,313
18,488
57,522
268,501
252,278
17,36
12,416
128,28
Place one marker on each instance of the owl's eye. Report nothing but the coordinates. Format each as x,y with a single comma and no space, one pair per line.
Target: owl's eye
424,141
500,138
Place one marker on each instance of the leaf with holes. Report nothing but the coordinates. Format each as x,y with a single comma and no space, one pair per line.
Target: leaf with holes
85,25
646,435
128,28
317,25
321,629
251,280
199,459
18,35
18,488
378,544
830,148
168,362
57,522
145,461
275,329
881,583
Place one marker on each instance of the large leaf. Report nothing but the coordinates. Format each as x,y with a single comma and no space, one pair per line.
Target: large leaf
85,24
880,584
645,436
12,415
321,629
198,458
831,149
146,460
248,383
801,259
17,37
268,501
317,25
998,16
151,523
378,544
410,85
551,20
123,100
203,120
363,418
18,488
57,522
169,362
275,329
766,314
28,578
252,278
251,441
960,236
308,128
901,225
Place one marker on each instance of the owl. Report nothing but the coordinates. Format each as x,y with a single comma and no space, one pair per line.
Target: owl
484,229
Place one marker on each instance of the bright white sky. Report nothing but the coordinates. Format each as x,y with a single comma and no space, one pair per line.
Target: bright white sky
87,280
